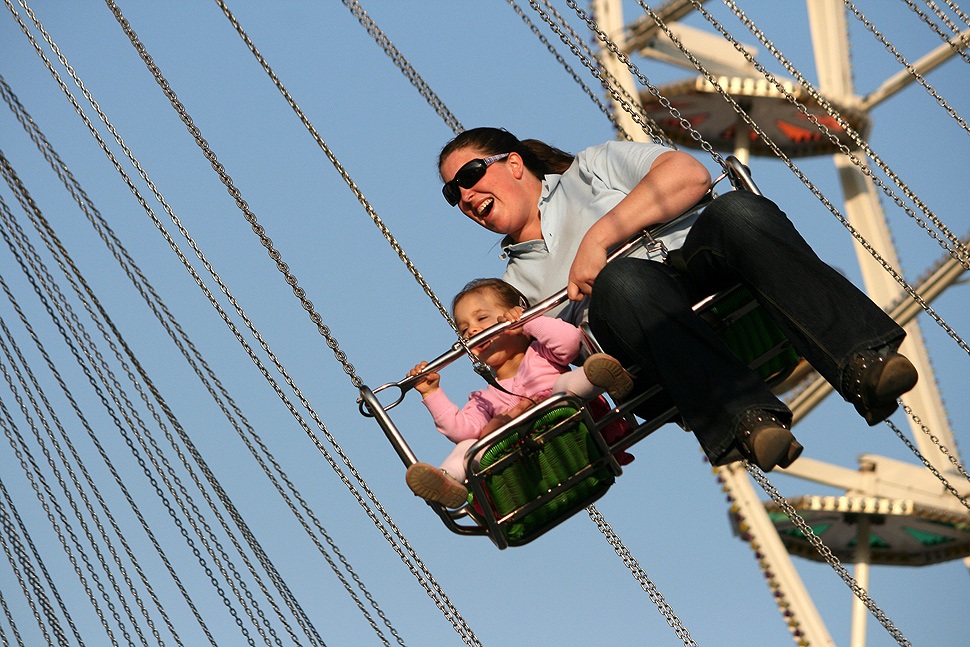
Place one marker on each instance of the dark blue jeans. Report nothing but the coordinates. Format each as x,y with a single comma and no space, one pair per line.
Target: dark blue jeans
640,312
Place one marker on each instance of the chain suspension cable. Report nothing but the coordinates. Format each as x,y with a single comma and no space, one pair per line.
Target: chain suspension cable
599,519
635,71
902,60
552,50
432,588
951,456
939,475
589,59
395,55
13,624
824,551
641,576
94,437
18,558
413,562
348,368
774,147
73,504
958,250
956,9
63,260
121,427
47,576
182,341
90,481
134,421
48,501
959,50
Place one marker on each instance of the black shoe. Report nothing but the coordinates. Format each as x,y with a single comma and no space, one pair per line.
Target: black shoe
874,379
766,441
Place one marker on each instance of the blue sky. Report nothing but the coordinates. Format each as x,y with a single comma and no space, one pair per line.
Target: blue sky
489,69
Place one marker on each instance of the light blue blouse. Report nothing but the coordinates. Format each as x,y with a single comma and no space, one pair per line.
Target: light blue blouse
570,203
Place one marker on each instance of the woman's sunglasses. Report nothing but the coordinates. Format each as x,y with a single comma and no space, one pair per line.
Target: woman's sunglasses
467,177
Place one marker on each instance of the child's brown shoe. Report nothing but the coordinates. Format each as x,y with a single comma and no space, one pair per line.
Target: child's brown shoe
431,484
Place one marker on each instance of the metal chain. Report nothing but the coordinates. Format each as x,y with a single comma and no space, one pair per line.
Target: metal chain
413,562
427,579
824,551
240,523
353,187
95,439
131,416
641,576
15,548
88,478
959,250
31,471
576,78
664,101
168,322
59,255
902,60
43,569
957,49
412,75
936,441
781,155
12,622
630,104
70,498
952,490
956,9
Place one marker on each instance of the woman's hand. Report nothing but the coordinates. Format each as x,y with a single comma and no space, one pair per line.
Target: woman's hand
590,259
426,385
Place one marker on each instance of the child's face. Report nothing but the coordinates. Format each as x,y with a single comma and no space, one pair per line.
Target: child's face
479,310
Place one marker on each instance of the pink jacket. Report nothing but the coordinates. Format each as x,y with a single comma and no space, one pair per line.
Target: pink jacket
556,344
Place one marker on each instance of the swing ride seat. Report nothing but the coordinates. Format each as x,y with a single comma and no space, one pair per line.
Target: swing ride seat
556,458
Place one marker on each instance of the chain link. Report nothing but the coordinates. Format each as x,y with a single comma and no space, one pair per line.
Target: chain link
412,75
182,341
952,490
576,78
958,250
956,9
951,456
781,155
415,565
641,576
957,49
824,551
902,60
664,101
134,421
15,553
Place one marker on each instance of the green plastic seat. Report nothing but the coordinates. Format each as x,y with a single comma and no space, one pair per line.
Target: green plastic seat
540,470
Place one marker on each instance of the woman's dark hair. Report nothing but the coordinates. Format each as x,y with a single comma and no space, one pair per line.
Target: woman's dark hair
540,158
507,294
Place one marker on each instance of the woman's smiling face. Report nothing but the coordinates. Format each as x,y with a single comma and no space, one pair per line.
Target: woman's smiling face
505,200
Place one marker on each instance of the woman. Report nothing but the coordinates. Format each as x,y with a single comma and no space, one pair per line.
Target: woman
560,215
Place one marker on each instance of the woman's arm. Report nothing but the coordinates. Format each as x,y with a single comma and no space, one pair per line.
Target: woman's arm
675,182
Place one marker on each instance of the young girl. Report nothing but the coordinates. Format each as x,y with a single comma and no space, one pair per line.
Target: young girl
530,361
